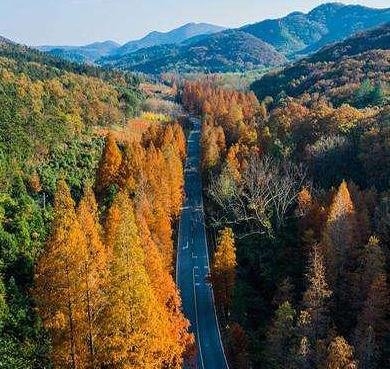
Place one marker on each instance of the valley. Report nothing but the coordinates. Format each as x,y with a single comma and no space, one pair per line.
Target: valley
206,197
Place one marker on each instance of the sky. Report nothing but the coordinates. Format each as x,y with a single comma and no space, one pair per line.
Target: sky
80,22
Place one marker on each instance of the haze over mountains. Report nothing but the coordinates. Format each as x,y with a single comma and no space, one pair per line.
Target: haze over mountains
91,53
87,53
175,36
202,47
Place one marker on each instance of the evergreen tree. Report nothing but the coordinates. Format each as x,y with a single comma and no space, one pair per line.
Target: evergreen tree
280,338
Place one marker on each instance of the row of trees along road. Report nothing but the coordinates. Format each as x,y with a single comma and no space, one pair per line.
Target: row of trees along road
103,284
303,281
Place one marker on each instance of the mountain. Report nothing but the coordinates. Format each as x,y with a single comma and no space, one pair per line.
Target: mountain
5,40
202,47
270,41
345,71
300,33
175,36
81,54
227,51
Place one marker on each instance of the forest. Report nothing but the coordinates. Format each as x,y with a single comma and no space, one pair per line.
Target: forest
86,222
295,172
297,208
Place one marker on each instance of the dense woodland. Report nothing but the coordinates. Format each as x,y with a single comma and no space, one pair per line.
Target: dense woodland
296,176
297,203
86,224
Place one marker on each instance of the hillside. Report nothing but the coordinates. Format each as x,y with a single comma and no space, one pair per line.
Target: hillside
226,51
175,36
306,33
81,54
266,43
54,190
5,40
339,71
102,50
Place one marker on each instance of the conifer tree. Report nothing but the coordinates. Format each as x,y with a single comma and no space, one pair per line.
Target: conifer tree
366,348
304,202
341,251
165,290
339,233
179,141
176,180
210,156
60,284
109,164
340,355
95,272
135,322
280,338
240,343
223,271
316,297
131,171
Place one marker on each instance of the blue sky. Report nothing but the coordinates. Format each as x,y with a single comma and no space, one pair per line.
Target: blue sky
78,22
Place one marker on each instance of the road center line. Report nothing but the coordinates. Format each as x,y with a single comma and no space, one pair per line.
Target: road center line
196,317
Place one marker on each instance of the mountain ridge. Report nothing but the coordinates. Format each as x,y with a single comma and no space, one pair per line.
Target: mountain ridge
293,36
226,51
303,33
174,36
286,38
341,67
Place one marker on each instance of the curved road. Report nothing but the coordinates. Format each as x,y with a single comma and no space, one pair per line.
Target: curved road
193,264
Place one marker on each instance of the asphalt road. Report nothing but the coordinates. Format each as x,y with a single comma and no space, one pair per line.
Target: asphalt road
193,264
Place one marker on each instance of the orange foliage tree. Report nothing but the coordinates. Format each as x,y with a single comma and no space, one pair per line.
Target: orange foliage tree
108,165
60,284
223,270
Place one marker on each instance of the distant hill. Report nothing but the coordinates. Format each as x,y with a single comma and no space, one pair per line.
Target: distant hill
270,41
57,66
81,54
230,50
91,53
5,40
338,71
209,48
306,33
175,36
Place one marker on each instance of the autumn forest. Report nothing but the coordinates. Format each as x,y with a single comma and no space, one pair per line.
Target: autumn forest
98,198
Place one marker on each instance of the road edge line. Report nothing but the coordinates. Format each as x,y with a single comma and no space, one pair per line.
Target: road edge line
211,286
196,317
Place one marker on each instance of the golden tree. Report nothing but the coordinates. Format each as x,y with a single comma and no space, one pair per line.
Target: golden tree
340,232
223,269
179,141
166,292
109,164
175,180
60,284
340,355
95,271
316,297
135,323
341,251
